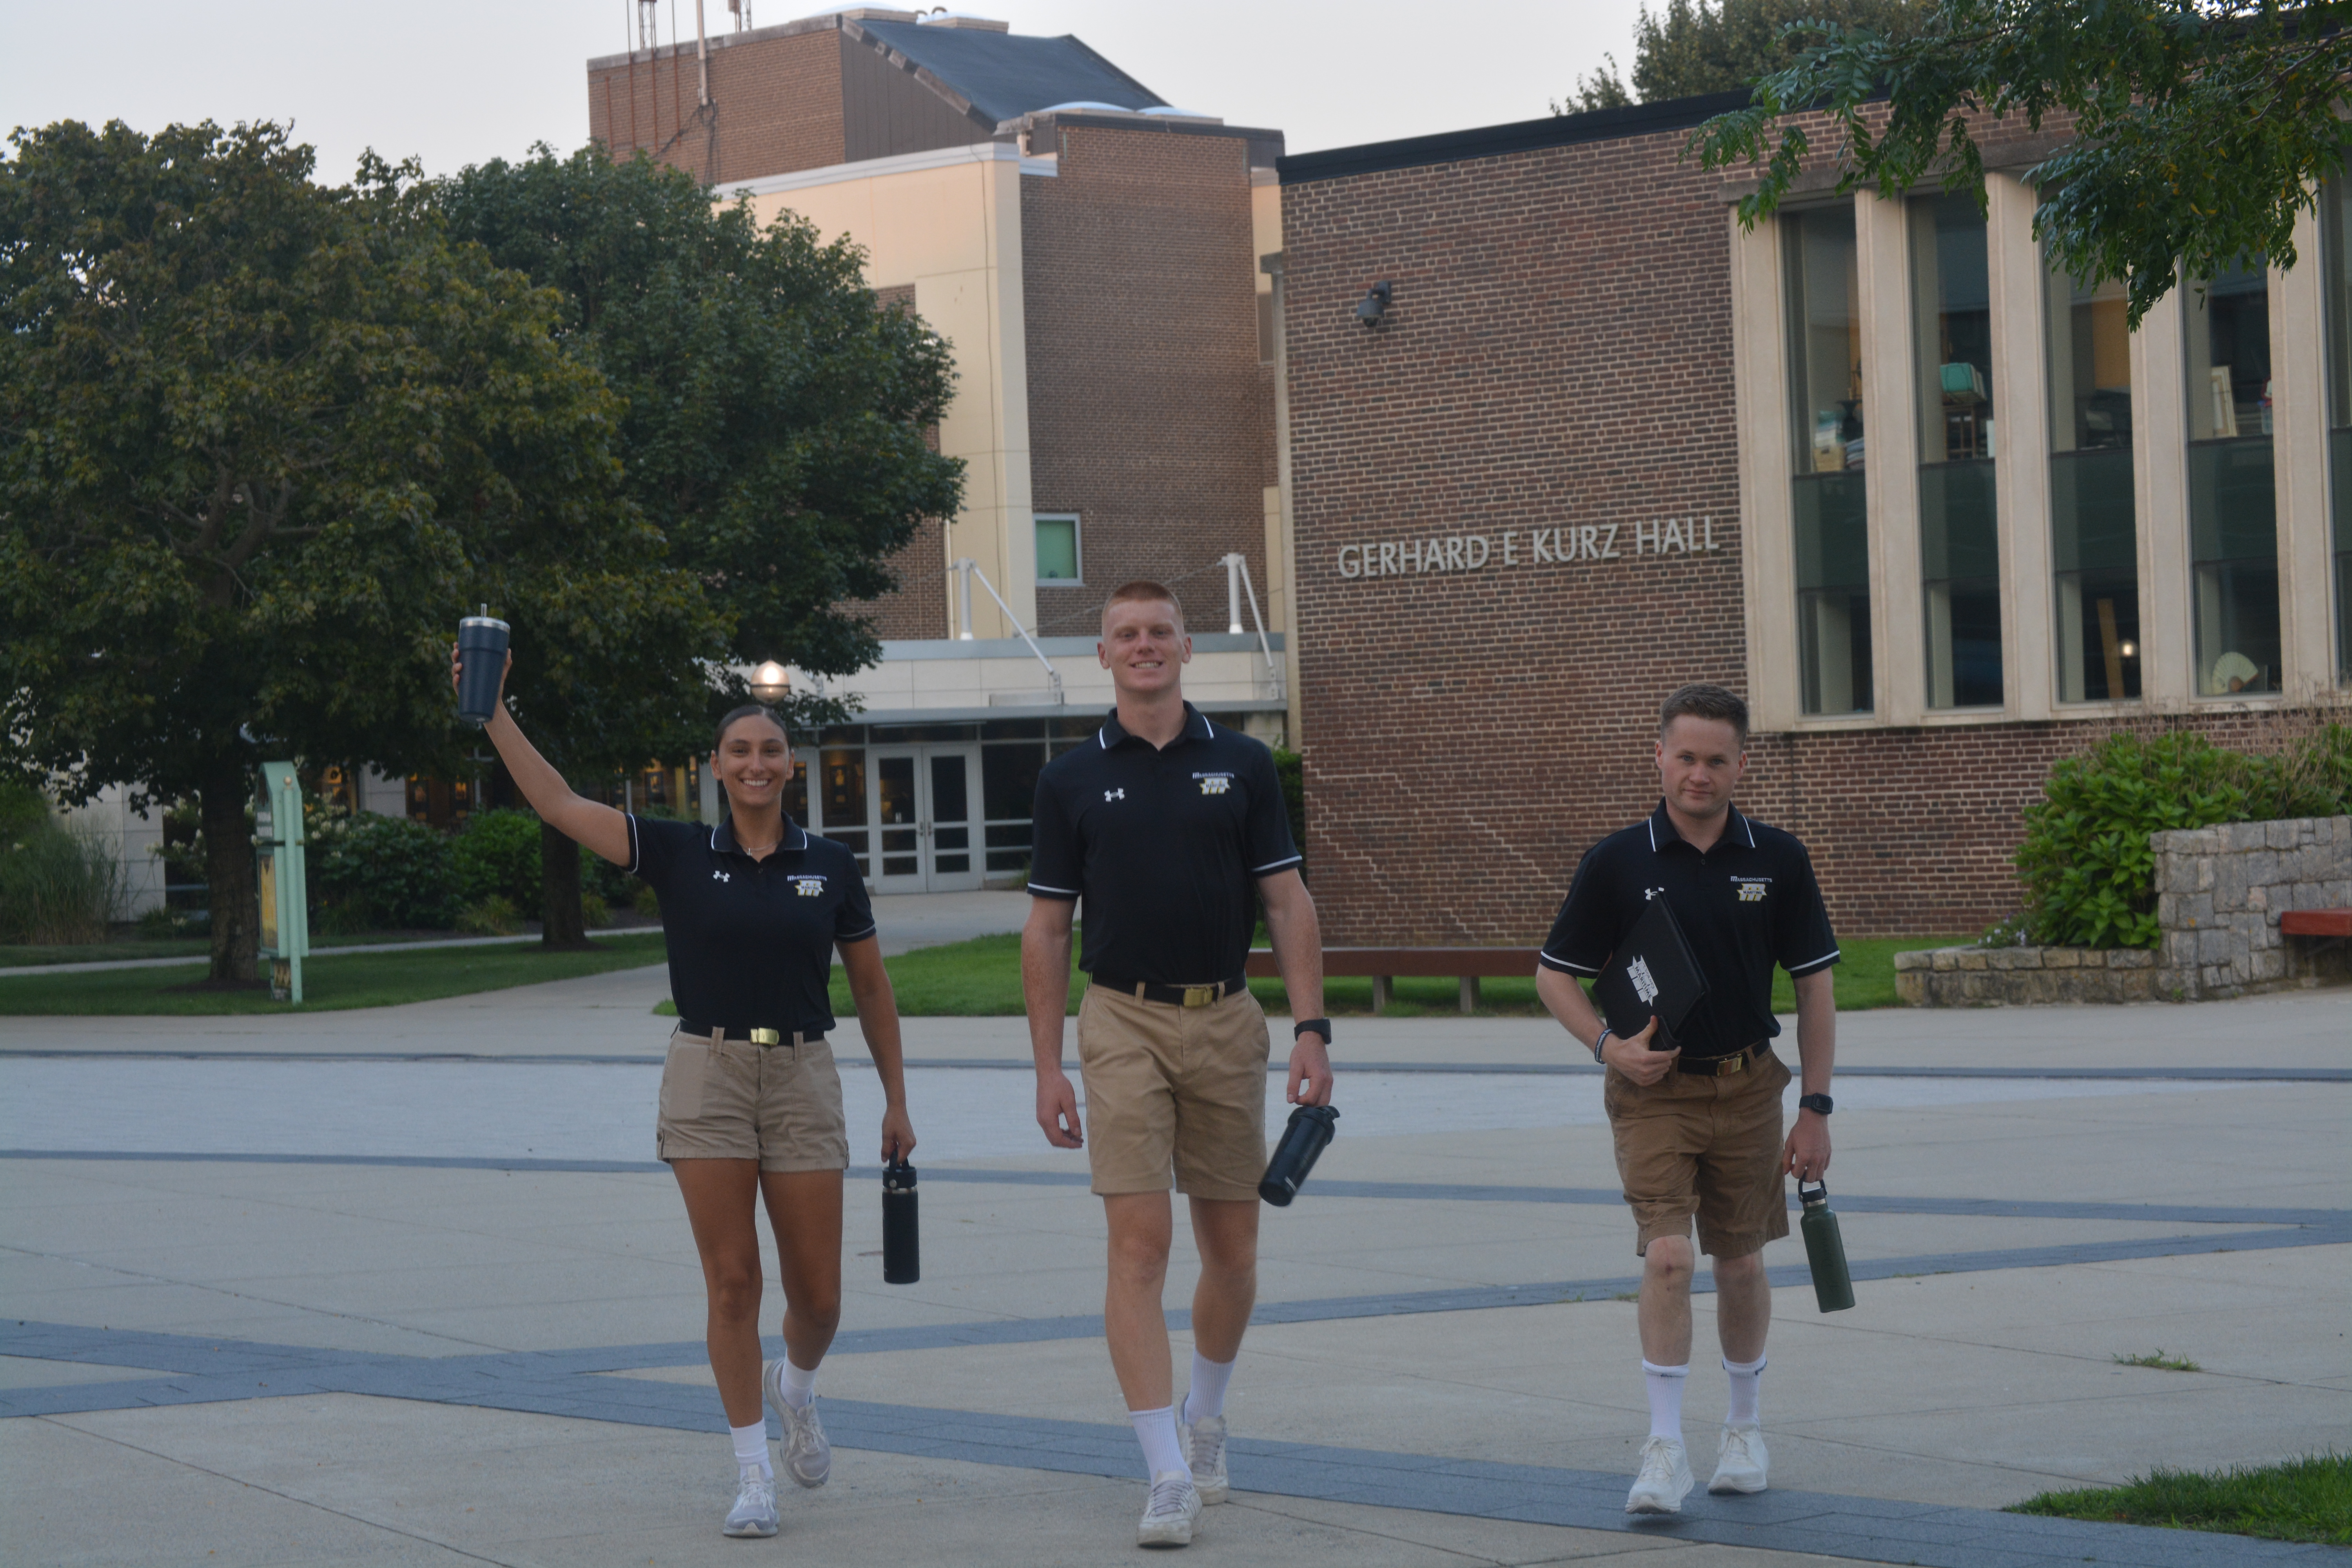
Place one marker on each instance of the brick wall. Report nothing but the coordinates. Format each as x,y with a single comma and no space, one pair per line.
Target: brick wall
1149,414
1558,359
777,98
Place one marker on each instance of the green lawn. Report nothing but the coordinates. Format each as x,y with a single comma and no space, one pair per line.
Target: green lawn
20,955
2308,1500
981,978
356,980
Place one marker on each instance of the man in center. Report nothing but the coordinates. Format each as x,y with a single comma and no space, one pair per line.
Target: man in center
1164,825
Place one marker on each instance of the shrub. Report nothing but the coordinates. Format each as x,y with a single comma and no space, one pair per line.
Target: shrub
1290,768
387,870
58,884
492,916
646,901
595,912
2088,867
498,853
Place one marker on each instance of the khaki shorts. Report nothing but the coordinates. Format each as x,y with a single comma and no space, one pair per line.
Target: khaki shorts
1709,1146
780,1105
1174,1089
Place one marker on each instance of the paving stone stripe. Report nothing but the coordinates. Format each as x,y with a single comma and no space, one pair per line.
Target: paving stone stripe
2235,1074
1829,1524
1446,1191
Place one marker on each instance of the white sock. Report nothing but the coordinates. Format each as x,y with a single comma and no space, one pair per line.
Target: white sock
1156,1430
1665,1398
800,1387
752,1446
1745,1377
1207,1398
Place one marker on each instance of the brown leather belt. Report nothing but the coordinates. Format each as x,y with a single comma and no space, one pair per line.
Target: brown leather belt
1174,995
1722,1066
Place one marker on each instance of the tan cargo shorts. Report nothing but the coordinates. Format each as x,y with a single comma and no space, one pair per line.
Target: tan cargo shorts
1174,1090
780,1105
1709,1146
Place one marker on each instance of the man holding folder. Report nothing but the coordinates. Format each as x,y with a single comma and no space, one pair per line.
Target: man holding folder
1695,1109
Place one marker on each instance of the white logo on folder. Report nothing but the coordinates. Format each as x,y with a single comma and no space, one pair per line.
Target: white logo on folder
1646,987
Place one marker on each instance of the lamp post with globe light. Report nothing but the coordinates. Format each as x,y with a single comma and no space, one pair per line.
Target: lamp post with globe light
769,683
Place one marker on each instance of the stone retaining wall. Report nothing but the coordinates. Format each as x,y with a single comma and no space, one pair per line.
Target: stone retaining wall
2219,893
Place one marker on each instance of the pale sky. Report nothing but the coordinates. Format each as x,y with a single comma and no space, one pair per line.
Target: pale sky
456,83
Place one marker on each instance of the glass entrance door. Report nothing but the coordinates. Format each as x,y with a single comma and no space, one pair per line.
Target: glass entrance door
922,808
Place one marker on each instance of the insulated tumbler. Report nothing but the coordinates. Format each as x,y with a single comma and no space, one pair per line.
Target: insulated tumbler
482,667
902,1253
1302,1142
1824,1250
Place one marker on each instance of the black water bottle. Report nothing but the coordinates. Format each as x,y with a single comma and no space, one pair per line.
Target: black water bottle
1302,1142
902,1251
1824,1248
482,667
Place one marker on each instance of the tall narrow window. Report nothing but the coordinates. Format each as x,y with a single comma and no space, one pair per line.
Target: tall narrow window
1057,549
2094,540
1832,524
1959,547
2335,250
2233,498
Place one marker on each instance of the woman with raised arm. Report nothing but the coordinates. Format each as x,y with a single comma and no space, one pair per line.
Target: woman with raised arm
751,1102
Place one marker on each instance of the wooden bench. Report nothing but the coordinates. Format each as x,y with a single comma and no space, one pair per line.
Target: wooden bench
1385,964
2303,922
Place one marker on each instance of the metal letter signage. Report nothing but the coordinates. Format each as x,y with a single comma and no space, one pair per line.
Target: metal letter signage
1651,538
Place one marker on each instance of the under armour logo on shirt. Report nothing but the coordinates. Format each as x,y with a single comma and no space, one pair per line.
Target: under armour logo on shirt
1114,794
721,876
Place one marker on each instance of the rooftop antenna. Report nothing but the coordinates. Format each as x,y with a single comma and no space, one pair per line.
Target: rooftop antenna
742,10
702,58
648,29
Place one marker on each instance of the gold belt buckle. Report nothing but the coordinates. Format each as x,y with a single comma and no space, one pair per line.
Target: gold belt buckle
1200,995
767,1036
1734,1064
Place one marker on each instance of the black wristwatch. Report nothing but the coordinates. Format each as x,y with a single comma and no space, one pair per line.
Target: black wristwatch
1820,1102
1320,1025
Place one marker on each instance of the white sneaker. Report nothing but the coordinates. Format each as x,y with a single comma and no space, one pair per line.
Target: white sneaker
754,1512
1170,1511
1665,1480
1739,1459
1205,1451
808,1457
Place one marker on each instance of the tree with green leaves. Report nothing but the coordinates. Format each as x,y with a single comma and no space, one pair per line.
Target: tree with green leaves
773,412
262,442
1694,47
2197,128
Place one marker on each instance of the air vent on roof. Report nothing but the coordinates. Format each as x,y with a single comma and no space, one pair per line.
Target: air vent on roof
962,19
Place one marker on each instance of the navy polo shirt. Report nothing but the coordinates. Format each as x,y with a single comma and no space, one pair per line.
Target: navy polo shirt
1165,847
1745,906
751,942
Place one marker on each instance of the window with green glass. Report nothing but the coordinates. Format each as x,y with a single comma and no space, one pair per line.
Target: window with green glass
1057,548
2233,491
2093,532
1952,297
1827,510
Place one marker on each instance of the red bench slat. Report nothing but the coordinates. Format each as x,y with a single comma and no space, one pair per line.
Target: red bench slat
2315,922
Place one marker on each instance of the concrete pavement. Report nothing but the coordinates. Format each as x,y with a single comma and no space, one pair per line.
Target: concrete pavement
284,1291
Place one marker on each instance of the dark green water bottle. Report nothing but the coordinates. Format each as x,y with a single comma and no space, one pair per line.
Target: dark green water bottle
1824,1248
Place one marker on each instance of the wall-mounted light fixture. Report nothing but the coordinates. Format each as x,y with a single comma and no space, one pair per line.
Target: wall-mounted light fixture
1375,306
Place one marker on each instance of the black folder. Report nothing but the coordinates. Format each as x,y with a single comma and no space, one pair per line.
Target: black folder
1651,974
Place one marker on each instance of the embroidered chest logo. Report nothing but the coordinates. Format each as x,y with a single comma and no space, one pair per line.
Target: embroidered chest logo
721,876
1114,794
1751,888
1214,783
809,887
1638,972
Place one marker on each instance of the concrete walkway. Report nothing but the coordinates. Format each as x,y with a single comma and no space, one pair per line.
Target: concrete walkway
407,1287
